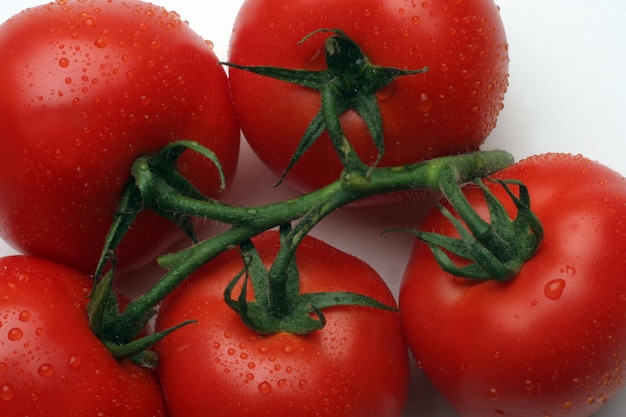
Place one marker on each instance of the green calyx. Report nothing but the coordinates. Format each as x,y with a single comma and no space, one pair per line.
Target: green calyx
495,250
278,305
350,83
119,333
153,176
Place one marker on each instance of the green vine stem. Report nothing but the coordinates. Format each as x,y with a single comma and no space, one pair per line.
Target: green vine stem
179,201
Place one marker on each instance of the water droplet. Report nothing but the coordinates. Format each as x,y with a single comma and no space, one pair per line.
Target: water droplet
554,289
493,394
46,370
386,92
89,21
64,62
25,316
15,334
101,43
7,393
570,271
529,385
231,352
568,405
416,20
265,387
425,104
73,362
155,44
303,383
282,383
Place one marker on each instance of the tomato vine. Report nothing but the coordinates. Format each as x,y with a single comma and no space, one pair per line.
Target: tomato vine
350,83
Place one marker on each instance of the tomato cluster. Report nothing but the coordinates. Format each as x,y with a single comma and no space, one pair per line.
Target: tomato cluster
105,103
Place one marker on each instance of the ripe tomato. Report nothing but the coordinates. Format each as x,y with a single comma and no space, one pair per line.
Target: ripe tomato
356,365
88,87
449,109
51,363
550,342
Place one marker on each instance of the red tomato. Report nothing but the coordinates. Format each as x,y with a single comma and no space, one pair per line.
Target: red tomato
51,363
550,342
88,87
448,110
356,365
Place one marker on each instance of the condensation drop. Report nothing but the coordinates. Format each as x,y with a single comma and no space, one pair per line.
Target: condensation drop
425,104
15,334
45,370
493,394
265,387
64,62
554,289
73,362
25,316
7,392
90,21
101,43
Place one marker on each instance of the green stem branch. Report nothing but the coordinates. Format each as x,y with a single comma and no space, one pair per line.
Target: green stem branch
309,208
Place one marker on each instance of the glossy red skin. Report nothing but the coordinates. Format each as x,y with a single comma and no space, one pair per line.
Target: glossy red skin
449,110
51,363
357,365
552,341
88,87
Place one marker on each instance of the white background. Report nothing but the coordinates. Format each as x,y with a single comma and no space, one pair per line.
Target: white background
567,88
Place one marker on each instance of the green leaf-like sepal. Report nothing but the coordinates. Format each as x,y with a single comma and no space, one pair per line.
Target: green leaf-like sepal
495,250
349,83
292,312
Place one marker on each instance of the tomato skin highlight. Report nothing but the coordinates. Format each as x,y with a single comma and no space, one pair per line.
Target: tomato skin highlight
51,363
88,87
551,341
448,110
356,365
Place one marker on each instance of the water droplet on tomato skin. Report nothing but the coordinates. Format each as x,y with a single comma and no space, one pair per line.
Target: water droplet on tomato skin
89,20
24,316
554,289
101,43
7,392
73,362
493,394
45,370
15,334
265,387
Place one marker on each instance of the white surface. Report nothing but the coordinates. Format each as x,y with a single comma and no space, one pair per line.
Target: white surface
566,94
